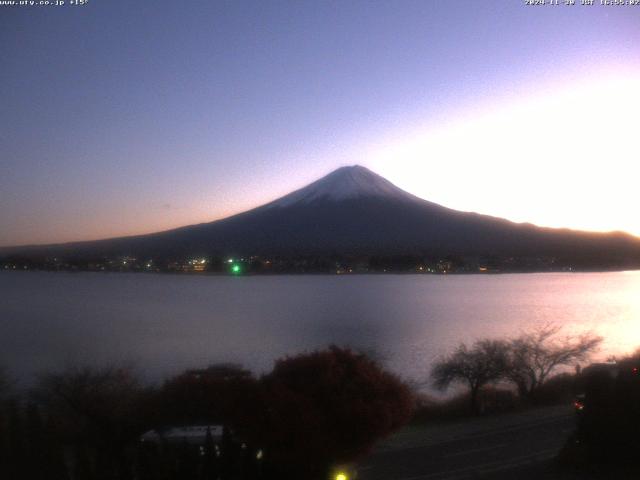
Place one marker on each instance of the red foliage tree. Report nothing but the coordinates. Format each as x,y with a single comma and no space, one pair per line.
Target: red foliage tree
325,408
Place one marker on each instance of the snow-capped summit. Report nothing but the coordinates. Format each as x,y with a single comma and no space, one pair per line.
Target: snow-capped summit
354,212
342,184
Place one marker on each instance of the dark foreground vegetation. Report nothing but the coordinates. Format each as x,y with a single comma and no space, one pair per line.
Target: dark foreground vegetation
608,433
311,414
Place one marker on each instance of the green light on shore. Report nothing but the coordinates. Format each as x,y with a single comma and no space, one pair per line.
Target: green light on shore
235,268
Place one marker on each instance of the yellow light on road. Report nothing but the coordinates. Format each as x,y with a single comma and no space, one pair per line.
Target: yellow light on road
342,476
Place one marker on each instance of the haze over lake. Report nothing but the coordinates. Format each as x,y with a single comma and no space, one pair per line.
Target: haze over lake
166,323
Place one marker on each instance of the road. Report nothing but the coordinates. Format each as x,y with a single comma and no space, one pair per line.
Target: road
487,449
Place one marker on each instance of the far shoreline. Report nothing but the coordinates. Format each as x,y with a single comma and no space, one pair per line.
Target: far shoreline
325,274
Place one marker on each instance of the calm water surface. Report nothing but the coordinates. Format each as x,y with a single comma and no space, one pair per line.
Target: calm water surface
165,323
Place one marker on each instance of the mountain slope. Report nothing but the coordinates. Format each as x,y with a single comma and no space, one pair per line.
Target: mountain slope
354,211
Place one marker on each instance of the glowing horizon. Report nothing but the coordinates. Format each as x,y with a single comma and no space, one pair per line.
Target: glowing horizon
539,129
207,112
573,150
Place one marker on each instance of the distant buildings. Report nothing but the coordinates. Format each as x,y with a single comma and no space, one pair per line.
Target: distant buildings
331,264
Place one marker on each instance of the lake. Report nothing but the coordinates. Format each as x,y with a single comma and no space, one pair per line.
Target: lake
165,323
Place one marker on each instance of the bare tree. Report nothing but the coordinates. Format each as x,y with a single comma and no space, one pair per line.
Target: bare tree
97,411
484,363
536,354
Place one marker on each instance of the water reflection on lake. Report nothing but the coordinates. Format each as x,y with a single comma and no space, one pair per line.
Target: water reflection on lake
165,323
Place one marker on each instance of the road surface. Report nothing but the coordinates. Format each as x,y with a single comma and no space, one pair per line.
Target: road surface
495,447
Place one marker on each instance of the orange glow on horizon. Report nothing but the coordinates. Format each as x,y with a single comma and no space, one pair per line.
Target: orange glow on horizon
563,155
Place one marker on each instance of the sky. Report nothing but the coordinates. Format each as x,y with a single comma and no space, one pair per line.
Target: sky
120,117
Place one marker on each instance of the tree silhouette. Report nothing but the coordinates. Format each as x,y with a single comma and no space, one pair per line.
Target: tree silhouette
536,354
484,363
99,412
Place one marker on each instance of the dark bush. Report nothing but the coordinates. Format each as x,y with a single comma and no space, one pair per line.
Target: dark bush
219,394
609,425
559,389
326,408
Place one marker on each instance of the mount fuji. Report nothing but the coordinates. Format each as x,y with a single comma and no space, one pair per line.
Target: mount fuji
343,184
353,211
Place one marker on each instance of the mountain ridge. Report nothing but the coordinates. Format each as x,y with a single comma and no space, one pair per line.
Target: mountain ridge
353,211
